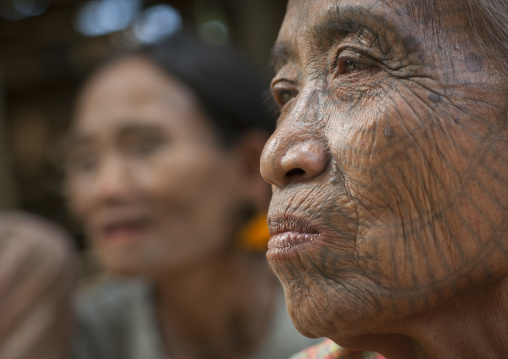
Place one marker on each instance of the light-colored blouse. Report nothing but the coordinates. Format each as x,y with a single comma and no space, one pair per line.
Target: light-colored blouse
116,321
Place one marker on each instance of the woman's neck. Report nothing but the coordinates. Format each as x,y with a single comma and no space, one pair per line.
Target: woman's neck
472,325
216,309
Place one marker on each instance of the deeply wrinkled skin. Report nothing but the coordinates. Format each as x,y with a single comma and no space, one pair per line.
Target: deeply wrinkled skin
392,145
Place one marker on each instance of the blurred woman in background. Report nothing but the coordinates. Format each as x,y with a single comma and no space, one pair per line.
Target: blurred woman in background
163,172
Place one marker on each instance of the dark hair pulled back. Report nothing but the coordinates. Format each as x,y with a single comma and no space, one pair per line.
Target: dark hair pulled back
226,84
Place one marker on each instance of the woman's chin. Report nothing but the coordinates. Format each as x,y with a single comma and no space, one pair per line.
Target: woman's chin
119,264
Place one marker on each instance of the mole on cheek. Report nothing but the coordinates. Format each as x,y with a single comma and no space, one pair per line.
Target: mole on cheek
403,11
435,98
389,132
410,44
474,62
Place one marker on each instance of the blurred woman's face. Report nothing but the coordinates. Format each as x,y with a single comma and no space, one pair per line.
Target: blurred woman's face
145,174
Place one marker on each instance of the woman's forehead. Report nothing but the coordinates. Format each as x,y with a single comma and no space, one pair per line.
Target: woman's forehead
309,25
300,12
132,85
133,76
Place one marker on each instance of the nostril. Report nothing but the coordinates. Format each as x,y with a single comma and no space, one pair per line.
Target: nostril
288,160
295,172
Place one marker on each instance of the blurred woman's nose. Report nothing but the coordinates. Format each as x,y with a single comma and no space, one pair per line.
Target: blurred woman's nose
287,159
112,182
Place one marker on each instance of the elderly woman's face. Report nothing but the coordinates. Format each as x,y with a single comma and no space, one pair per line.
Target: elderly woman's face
389,165
144,172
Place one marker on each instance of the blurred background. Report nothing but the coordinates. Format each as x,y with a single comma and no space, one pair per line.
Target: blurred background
48,46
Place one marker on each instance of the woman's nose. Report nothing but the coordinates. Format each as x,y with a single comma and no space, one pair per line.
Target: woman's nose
287,159
112,183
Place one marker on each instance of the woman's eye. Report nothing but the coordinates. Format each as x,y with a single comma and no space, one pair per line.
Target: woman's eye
146,146
351,66
283,96
81,162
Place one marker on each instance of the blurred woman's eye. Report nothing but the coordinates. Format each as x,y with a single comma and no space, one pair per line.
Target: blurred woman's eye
81,161
145,145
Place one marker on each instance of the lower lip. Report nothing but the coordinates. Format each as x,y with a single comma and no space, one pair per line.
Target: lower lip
283,244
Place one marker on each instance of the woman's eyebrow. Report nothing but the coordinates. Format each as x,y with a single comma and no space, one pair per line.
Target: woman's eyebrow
282,53
342,20
134,128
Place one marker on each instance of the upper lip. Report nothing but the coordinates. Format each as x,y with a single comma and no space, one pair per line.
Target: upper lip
284,223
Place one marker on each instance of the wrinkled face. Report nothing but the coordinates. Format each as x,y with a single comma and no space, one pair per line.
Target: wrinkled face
389,164
145,174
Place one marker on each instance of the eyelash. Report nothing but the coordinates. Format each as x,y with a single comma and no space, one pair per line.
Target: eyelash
344,66
283,94
345,62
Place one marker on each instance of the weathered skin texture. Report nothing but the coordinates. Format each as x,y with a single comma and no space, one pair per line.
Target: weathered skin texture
392,151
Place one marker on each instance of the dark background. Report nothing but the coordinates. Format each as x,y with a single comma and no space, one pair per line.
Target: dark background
48,46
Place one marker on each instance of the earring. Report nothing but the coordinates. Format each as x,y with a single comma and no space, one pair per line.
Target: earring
254,236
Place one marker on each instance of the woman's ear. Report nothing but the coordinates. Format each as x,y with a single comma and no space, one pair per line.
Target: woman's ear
247,153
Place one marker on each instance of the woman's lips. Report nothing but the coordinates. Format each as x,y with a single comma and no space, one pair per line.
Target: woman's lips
287,240
124,231
290,233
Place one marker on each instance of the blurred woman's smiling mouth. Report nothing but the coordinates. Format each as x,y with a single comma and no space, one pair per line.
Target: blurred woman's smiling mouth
123,230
